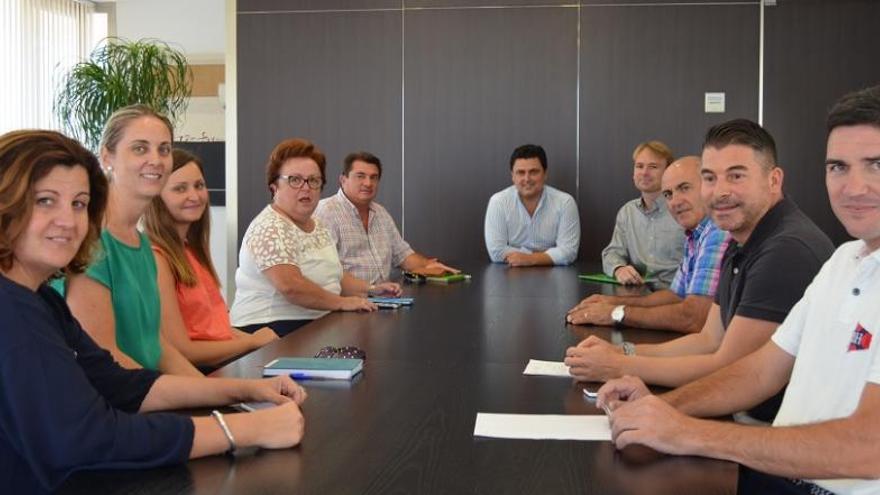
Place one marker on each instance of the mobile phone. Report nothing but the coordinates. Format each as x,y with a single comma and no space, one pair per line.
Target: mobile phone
387,305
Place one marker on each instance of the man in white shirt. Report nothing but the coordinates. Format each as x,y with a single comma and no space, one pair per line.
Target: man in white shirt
825,437
531,223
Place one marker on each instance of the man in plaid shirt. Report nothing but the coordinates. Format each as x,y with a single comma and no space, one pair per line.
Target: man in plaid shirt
366,237
684,306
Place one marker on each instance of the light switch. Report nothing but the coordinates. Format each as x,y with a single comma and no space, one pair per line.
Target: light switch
715,102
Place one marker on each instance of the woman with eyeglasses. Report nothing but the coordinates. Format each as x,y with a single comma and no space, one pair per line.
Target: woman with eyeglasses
195,318
289,271
65,404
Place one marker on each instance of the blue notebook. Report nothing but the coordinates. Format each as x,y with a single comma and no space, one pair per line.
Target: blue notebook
314,368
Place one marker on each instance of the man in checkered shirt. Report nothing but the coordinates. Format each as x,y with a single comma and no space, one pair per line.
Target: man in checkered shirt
366,237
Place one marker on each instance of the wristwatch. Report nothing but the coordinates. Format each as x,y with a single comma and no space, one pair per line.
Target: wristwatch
617,314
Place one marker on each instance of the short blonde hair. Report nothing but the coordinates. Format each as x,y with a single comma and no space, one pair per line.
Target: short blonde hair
659,148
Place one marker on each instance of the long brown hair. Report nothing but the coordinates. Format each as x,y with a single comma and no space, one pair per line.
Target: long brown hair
28,156
159,226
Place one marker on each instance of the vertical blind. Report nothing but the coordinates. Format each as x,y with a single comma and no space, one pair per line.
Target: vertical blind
39,41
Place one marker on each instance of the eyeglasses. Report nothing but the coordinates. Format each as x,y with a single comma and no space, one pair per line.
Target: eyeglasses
296,181
347,352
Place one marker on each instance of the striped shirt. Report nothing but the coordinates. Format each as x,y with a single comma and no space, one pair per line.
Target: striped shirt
367,254
554,229
700,269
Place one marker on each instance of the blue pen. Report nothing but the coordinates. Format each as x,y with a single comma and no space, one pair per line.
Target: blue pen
301,376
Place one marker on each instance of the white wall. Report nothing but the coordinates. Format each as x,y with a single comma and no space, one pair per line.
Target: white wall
197,26
198,29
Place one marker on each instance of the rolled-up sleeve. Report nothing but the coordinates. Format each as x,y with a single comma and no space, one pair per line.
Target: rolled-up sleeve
495,230
568,237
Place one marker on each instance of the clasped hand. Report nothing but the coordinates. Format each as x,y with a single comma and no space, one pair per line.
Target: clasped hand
594,360
638,417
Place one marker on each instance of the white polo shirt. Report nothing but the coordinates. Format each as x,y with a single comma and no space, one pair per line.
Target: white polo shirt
832,331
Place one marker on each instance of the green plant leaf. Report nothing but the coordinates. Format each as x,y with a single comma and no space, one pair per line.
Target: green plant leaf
119,73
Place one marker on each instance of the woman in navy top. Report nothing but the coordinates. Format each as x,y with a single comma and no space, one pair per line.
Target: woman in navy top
65,404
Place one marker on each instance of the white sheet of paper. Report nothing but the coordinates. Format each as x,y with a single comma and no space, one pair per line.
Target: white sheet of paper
546,368
543,426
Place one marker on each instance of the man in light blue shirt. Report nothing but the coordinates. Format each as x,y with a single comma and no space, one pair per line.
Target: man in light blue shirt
531,223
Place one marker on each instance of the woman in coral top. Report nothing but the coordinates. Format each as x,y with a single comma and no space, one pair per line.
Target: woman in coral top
195,318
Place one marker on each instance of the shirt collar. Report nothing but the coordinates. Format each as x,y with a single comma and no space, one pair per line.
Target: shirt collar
769,223
540,201
660,202
701,227
863,253
341,195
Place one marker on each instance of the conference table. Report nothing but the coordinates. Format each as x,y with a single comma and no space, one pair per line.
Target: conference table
405,424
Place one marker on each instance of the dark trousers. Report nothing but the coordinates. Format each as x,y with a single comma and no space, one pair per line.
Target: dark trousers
280,327
751,482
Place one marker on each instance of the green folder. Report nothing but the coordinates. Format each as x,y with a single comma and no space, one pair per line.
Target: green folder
607,279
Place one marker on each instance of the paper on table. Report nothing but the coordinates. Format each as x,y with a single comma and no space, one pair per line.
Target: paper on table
543,426
546,368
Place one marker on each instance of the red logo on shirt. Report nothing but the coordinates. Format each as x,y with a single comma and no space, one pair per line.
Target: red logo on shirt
860,340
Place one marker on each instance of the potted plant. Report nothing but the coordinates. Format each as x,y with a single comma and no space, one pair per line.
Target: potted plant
119,73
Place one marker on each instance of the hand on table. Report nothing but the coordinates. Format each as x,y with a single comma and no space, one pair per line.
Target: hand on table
594,363
628,275
620,390
435,266
390,289
645,419
278,390
355,303
592,299
518,259
272,428
591,313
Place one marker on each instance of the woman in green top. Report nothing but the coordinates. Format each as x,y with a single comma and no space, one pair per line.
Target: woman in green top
117,299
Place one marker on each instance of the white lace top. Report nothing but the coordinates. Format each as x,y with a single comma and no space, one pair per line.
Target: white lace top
273,239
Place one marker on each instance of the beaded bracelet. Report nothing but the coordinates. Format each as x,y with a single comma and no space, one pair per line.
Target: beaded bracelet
226,431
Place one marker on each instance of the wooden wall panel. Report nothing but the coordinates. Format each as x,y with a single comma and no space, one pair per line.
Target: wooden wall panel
334,78
644,72
480,82
816,52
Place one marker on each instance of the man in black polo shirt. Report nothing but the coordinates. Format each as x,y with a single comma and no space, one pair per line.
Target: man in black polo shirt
775,253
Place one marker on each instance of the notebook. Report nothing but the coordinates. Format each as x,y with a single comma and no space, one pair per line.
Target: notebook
314,368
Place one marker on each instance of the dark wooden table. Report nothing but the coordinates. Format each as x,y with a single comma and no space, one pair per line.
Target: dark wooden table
406,424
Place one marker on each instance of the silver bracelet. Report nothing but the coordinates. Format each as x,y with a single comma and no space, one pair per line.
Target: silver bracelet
629,349
226,431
